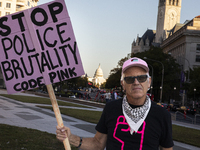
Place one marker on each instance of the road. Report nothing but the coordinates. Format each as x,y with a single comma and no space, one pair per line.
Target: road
188,118
18,113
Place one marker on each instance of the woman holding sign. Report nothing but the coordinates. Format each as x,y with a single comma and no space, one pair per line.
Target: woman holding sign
134,122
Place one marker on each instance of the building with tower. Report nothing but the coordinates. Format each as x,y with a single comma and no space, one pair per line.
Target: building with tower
169,12
182,41
167,17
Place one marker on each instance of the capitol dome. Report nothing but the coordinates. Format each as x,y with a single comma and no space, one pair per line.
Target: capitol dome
98,76
98,72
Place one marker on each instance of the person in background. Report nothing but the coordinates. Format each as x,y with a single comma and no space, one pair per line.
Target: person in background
131,123
108,96
114,95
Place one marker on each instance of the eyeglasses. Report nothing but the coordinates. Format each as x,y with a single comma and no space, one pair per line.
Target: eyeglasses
131,79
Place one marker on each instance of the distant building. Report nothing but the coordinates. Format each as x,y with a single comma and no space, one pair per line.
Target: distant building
168,15
182,41
143,43
98,78
169,12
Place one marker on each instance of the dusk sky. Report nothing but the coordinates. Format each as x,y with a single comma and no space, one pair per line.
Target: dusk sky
105,30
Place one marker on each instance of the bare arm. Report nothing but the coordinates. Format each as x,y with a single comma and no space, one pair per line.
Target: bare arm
98,142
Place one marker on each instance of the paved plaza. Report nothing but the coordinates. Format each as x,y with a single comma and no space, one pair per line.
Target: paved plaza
29,115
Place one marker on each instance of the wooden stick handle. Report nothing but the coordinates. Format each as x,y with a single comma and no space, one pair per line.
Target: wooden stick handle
57,113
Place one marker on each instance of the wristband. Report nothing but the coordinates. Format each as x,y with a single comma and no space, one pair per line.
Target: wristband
80,142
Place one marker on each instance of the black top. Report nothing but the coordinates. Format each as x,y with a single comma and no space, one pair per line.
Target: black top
156,129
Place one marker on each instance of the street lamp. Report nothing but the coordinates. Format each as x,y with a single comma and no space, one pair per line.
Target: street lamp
194,98
188,80
162,75
188,68
174,92
151,77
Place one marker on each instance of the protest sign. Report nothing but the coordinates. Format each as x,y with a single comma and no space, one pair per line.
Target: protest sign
38,47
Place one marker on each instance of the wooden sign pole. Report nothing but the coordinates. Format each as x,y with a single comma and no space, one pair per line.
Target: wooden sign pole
57,113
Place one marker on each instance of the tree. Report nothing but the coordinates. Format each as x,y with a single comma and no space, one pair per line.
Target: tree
103,85
72,84
171,72
194,84
114,79
115,75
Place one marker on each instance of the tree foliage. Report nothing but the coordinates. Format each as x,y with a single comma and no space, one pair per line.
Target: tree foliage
72,84
193,84
113,80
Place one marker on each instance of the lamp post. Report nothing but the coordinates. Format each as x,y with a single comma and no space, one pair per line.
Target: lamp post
162,75
188,80
184,65
194,98
151,87
174,92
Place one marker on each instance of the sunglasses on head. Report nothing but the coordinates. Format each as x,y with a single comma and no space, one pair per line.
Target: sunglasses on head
131,79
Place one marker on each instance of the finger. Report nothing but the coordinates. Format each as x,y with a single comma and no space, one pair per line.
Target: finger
59,128
61,135
59,132
61,138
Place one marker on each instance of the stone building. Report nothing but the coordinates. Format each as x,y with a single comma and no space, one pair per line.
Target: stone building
167,17
98,78
143,43
169,12
183,43
11,6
